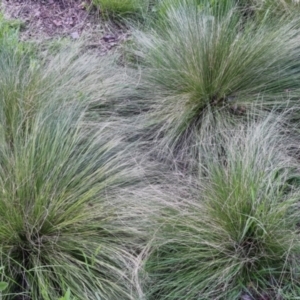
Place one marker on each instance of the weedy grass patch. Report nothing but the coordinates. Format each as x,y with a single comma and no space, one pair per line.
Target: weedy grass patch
89,209
215,7
9,33
121,7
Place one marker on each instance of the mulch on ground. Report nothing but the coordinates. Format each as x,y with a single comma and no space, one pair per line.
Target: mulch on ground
50,19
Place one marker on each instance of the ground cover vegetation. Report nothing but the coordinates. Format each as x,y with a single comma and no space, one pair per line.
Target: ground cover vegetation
62,179
117,7
233,231
203,62
166,170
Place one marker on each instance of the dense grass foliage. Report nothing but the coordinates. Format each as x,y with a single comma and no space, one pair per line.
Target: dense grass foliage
233,230
197,64
215,7
9,34
26,84
121,7
275,8
63,223
166,172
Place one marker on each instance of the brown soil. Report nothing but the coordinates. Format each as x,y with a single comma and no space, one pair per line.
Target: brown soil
50,19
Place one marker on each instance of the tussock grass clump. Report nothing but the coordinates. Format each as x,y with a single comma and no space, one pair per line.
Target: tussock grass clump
199,66
66,221
234,231
63,221
26,84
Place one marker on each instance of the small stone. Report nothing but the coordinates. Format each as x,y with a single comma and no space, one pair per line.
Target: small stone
57,23
75,35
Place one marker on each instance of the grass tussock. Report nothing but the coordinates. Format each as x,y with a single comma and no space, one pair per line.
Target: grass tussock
233,232
68,216
63,223
199,66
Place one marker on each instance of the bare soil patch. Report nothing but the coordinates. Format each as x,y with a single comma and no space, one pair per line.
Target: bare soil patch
50,19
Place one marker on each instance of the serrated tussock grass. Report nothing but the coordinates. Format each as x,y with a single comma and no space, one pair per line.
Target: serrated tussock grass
198,66
65,220
232,231
68,215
